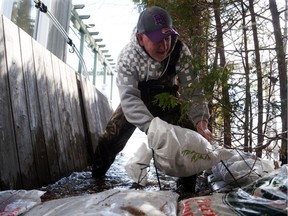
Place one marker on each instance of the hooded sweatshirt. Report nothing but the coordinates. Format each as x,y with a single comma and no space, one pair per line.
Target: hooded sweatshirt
135,65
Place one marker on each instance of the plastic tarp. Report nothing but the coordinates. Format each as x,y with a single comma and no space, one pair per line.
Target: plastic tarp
265,196
17,202
112,202
243,167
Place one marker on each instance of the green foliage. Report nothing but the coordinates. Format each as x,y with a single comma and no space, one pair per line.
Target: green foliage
166,101
195,156
141,4
212,82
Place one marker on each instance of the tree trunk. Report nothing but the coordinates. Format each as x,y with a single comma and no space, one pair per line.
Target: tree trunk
282,68
248,123
225,76
260,136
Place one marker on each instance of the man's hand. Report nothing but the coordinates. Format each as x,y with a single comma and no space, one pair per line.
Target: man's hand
202,128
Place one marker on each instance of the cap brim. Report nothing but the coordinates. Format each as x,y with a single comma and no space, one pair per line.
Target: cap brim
161,34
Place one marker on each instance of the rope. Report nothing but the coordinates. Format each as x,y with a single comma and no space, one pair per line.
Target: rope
143,168
231,174
158,179
43,8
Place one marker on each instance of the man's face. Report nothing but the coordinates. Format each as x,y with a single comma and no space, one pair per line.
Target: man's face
158,51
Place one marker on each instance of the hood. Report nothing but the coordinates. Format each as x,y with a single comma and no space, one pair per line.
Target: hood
135,43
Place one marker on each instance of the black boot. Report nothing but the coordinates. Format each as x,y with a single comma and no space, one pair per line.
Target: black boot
186,185
101,163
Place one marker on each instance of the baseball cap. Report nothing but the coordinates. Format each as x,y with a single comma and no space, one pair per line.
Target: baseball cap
155,23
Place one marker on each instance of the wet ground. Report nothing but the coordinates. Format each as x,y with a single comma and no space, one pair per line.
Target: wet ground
79,183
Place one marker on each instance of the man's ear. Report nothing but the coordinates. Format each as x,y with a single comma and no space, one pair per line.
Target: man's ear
140,38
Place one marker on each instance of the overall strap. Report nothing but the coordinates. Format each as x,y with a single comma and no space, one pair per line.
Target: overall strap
174,57
166,83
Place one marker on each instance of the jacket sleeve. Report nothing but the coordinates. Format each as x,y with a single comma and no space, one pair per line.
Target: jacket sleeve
191,90
133,107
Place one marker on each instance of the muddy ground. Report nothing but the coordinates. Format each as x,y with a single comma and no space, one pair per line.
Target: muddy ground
79,183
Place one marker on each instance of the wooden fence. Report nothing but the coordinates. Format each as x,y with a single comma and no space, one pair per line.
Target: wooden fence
50,117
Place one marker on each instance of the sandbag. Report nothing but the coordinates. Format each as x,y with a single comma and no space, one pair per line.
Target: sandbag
136,167
244,166
265,196
182,152
17,202
114,202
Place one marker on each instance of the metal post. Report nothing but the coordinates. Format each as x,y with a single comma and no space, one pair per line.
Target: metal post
81,50
95,67
105,73
111,87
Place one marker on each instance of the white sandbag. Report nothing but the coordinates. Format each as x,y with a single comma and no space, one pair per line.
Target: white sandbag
136,167
17,202
244,166
114,202
180,151
265,196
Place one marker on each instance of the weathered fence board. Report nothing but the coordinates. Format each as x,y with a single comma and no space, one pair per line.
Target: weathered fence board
58,71
9,164
19,105
78,119
68,117
50,118
54,114
102,112
36,129
90,107
41,77
58,96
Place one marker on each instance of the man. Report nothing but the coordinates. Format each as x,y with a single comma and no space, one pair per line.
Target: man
154,62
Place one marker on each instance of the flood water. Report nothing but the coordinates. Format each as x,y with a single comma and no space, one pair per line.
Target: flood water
79,183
